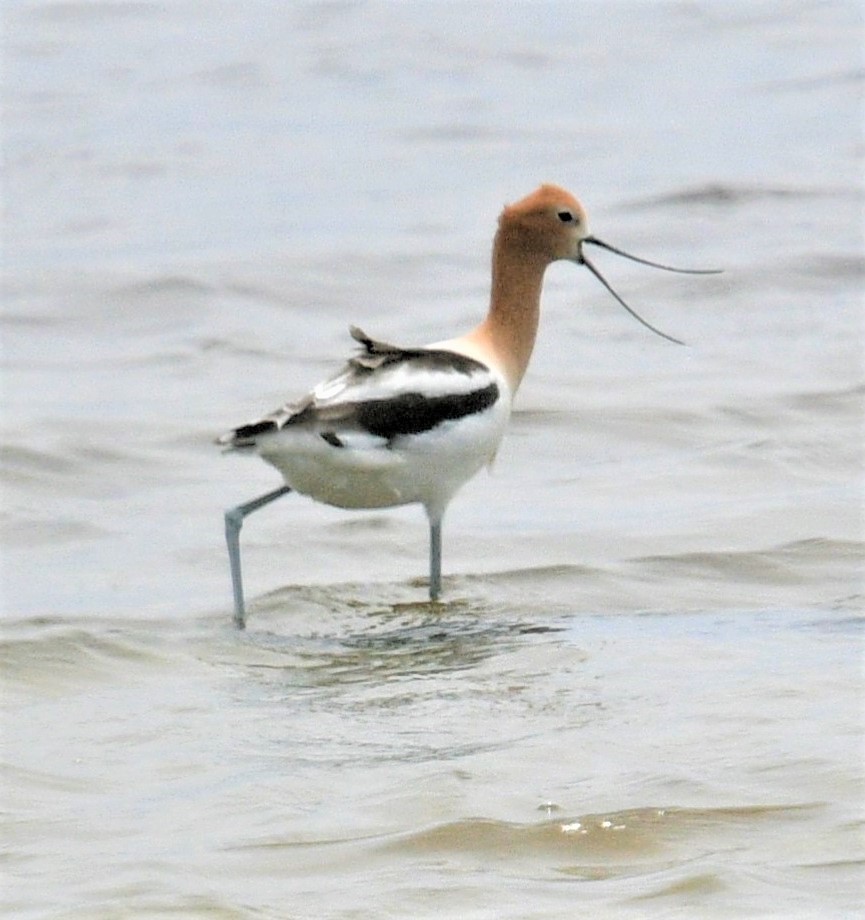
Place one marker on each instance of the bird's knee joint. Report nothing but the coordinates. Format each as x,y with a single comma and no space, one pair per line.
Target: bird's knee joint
233,519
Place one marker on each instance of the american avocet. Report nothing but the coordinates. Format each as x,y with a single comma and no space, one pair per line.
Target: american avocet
404,425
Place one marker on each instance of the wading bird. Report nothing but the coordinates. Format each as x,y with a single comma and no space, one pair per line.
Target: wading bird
410,425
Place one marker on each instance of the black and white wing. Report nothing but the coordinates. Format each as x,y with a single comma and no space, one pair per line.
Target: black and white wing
382,394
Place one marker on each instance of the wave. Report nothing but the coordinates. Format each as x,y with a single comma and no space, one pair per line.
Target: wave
722,193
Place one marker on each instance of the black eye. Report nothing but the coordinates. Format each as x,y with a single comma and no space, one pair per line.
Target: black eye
565,217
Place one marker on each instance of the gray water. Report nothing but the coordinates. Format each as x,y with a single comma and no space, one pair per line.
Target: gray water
642,694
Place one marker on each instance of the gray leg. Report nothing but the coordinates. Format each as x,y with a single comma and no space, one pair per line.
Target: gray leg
233,522
435,559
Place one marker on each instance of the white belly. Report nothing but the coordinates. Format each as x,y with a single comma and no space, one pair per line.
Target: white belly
368,473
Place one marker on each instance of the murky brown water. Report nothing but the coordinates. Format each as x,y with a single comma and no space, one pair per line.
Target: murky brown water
643,693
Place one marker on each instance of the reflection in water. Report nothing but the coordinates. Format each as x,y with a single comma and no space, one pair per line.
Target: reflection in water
371,643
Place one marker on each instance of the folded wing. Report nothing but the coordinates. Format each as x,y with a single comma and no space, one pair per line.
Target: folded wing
384,393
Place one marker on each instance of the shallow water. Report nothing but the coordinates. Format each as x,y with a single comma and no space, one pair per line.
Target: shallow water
642,695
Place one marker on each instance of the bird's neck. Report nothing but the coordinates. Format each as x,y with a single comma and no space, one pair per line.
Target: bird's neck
511,324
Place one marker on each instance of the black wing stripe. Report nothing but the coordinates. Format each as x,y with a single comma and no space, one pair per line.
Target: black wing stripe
250,431
332,438
414,413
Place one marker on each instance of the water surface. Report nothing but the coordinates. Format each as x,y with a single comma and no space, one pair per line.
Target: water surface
642,695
